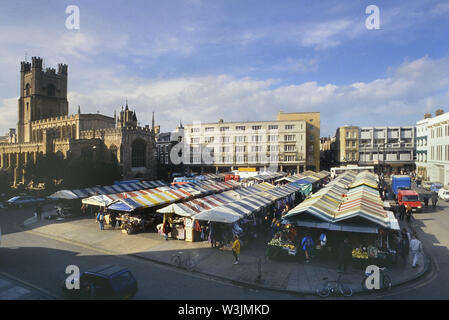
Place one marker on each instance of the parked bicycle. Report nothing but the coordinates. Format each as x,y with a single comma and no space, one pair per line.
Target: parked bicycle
183,260
384,281
334,286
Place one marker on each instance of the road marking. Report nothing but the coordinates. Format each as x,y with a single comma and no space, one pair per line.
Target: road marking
13,293
42,290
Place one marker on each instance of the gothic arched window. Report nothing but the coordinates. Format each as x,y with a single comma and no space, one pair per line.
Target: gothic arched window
138,153
27,89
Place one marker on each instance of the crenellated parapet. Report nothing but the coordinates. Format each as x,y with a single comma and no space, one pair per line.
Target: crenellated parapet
55,119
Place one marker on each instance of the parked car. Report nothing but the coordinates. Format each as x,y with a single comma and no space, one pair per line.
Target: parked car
443,194
22,201
104,282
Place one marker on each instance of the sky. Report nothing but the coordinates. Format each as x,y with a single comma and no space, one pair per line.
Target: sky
237,60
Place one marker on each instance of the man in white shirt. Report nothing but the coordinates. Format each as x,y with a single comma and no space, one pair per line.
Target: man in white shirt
416,249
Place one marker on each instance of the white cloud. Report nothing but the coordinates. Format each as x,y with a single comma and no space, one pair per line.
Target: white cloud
411,89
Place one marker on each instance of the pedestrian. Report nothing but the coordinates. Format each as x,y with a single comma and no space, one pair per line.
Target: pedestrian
212,240
434,200
408,213
344,255
404,246
113,219
416,249
426,201
236,249
100,219
307,246
402,211
166,229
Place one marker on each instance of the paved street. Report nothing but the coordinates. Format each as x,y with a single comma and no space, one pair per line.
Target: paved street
41,261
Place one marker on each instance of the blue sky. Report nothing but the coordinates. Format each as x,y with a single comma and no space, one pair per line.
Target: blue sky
199,60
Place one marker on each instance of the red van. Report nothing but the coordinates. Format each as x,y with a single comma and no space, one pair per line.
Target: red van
410,197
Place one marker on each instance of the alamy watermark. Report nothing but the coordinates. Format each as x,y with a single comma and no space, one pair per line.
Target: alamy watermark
72,282
372,22
372,281
72,22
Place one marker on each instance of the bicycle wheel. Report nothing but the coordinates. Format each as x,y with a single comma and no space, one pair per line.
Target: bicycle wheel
386,282
323,292
176,260
189,264
345,290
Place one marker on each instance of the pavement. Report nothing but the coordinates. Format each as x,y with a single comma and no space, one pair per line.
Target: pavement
12,288
254,270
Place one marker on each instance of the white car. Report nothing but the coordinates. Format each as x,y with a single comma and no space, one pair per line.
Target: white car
443,194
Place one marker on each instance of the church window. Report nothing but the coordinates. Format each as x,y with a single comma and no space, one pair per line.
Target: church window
138,153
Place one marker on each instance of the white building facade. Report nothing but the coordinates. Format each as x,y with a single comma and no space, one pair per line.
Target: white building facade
264,145
421,148
438,148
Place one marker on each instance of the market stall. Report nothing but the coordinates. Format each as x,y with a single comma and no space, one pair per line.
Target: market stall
349,207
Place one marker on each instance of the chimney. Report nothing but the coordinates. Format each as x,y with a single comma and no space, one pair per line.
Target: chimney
439,112
427,115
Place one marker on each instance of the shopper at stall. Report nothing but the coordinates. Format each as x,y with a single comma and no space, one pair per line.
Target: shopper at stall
416,249
212,239
100,219
166,229
307,246
236,249
344,255
404,246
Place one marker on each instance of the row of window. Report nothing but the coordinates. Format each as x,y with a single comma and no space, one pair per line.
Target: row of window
243,128
239,149
436,153
258,138
246,159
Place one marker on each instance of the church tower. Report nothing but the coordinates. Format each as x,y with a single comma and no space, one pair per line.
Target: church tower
43,94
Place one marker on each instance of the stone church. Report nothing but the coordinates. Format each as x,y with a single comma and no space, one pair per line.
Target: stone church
45,126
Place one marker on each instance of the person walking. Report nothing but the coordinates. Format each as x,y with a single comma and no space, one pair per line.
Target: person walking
416,249
100,219
426,201
401,211
236,249
345,255
307,246
434,200
166,229
404,246
212,239
408,213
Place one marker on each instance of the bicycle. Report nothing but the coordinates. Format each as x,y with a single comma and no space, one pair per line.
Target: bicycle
385,280
181,260
334,286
